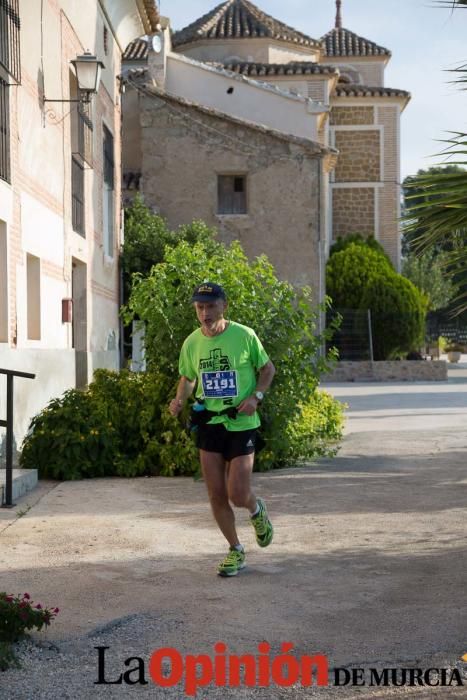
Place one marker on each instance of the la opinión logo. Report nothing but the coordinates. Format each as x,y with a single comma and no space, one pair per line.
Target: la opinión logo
168,667
222,670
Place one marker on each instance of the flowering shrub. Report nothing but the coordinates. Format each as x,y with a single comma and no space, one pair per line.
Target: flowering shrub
114,428
18,614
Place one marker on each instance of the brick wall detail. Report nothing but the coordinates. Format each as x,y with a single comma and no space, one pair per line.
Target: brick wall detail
359,156
353,211
388,196
349,116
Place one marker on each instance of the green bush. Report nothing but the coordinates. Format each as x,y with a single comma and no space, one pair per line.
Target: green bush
71,438
351,271
343,242
318,427
283,318
360,277
118,427
398,313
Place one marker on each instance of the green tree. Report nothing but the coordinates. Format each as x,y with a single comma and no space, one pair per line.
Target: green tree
283,317
440,219
350,271
359,277
343,242
427,271
415,195
146,238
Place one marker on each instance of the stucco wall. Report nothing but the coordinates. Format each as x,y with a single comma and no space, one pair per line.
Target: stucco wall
258,50
55,372
371,72
38,215
36,206
245,99
183,152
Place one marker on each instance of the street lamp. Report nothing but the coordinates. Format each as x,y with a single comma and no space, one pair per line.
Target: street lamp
88,75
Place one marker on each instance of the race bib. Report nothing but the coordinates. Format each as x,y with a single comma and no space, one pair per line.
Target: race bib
219,385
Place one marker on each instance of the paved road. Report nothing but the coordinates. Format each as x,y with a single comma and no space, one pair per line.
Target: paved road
368,565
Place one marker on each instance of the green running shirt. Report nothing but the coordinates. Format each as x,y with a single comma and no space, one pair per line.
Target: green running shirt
225,367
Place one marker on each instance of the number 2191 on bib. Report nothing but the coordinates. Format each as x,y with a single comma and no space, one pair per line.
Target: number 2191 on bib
219,385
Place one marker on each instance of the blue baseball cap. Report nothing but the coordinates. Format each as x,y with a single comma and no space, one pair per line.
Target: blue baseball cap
208,291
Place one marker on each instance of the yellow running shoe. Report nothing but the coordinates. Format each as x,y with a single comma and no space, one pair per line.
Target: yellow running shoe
263,526
233,562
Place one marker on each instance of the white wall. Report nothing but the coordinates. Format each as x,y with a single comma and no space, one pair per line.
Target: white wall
55,372
371,72
258,50
42,230
249,100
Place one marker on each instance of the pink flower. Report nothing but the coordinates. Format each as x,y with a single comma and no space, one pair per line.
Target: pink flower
27,596
9,599
38,606
56,610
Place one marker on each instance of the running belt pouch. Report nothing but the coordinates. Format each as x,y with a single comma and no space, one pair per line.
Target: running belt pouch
202,417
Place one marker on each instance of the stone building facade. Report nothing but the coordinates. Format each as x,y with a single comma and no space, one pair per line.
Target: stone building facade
340,74
280,176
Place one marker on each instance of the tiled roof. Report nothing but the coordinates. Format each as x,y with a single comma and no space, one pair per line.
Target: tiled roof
136,50
348,90
342,42
293,68
240,19
152,13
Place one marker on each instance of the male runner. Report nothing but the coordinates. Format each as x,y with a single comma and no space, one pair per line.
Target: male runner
231,370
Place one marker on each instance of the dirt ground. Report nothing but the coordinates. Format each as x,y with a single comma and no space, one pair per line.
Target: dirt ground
368,563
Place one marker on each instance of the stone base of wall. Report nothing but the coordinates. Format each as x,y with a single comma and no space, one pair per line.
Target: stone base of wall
389,371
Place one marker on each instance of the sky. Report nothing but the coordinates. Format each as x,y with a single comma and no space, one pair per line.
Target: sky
425,41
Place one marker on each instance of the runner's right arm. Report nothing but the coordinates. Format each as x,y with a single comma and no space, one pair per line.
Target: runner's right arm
184,390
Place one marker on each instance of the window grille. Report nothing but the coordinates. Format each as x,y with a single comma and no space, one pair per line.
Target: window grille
108,193
9,38
77,196
85,134
4,132
108,157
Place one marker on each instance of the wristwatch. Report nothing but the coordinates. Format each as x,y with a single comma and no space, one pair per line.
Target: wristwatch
259,395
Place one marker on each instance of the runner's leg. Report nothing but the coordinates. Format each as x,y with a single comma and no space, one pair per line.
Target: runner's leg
214,473
239,482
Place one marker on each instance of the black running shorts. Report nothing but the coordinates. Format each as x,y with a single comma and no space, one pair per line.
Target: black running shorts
228,443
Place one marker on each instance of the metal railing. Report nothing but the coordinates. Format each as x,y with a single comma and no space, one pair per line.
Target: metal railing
8,424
